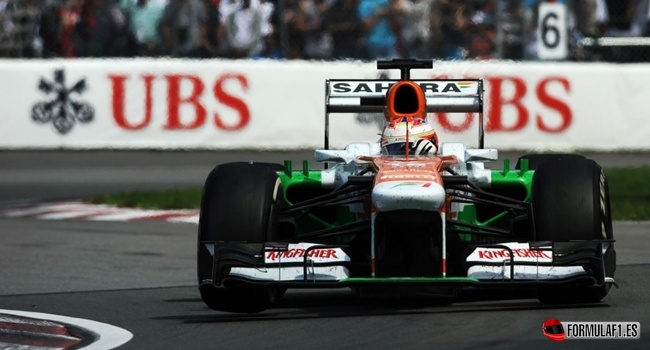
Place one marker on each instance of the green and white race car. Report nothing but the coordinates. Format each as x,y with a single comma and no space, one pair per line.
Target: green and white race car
379,223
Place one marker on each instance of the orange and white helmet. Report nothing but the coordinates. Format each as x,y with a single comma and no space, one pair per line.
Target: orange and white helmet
421,136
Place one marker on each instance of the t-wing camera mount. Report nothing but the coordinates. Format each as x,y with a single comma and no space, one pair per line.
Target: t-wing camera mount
405,65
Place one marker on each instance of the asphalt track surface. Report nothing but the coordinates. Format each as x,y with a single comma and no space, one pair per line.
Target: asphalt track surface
140,276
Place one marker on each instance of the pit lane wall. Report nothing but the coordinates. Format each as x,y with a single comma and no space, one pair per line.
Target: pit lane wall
222,104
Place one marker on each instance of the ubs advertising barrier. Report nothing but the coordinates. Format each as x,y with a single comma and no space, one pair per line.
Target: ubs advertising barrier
222,104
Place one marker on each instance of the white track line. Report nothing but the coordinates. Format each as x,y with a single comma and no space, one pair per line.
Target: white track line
96,212
108,336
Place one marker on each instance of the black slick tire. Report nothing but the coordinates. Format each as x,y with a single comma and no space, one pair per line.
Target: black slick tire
570,200
534,160
240,203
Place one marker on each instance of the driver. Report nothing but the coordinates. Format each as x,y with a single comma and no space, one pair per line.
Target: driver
421,136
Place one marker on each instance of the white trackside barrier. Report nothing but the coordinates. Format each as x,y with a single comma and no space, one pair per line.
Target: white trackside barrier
223,104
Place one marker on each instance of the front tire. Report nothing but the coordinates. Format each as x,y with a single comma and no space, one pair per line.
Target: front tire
534,160
571,203
240,203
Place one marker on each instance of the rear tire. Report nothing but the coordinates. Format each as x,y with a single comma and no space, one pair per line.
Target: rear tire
571,203
240,203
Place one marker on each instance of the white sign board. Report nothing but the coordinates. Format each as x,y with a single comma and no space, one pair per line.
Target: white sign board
240,104
552,33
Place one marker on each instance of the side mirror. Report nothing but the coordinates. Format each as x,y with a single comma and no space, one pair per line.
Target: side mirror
327,155
481,155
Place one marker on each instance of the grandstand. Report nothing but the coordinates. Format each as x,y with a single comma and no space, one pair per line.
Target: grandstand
597,30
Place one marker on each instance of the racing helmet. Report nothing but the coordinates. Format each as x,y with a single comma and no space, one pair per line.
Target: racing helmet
396,132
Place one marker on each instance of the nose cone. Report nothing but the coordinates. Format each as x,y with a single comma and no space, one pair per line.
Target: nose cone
417,195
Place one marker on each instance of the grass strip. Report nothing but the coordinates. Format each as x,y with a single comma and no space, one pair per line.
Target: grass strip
628,188
629,192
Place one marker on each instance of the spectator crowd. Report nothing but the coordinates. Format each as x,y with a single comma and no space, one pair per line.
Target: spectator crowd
295,29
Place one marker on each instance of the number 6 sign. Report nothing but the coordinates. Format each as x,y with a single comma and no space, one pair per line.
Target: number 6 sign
552,35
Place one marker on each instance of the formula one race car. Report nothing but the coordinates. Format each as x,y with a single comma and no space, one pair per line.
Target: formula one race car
375,222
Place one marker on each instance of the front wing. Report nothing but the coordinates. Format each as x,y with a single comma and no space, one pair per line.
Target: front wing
305,265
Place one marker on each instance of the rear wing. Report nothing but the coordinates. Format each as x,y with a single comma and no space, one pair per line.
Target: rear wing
369,96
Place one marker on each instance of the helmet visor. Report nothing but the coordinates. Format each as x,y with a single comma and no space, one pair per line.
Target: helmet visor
398,148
